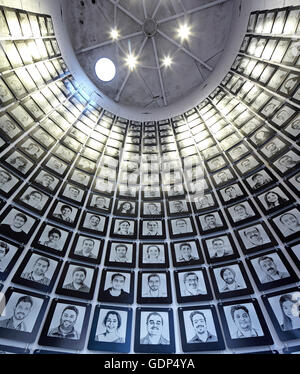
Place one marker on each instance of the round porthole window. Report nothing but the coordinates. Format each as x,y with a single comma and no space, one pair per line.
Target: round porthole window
105,69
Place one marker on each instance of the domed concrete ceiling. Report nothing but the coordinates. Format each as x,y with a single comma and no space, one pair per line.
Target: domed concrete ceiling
148,29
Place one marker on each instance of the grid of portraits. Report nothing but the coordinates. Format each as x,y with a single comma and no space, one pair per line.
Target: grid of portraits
137,226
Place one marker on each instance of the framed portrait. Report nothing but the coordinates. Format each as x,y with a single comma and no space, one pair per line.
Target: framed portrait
125,208
15,85
223,177
294,252
10,252
86,165
204,202
152,209
292,130
152,193
17,225
38,271
66,325
230,280
261,136
25,307
66,214
99,203
152,229
242,212
200,329
42,137
33,199
111,329
287,224
73,193
18,162
9,128
274,148
192,285
181,227
216,163
127,191
52,239
283,116
120,254
255,237
154,287
270,270
87,249
153,255
211,222
123,228
32,149
287,163
55,165
6,96
232,193
103,186
154,331
178,207
220,248
243,324
186,253
294,183
117,286
260,180
238,151
94,223
274,199
80,178
9,183
175,191
64,153
77,280
283,309
247,165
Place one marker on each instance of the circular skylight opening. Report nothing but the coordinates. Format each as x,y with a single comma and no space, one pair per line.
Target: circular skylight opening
105,69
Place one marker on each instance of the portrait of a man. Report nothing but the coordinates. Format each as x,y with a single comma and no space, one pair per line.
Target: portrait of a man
21,312
186,252
87,247
192,284
154,285
66,326
229,278
270,268
154,328
76,279
17,225
254,236
116,287
37,272
199,322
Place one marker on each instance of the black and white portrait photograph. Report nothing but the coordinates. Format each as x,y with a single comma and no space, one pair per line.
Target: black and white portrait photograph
66,324
232,193
219,248
216,163
41,136
292,130
64,213
123,228
46,181
8,182
255,237
294,183
200,329
154,331
32,149
56,165
186,253
181,227
151,192
211,222
192,285
271,270
260,180
274,148
175,190
38,271
77,280
53,239
283,308
17,224
242,212
261,136
287,163
9,253
18,162
154,288
223,177
125,208
73,193
111,329
33,199
287,224
152,229
153,255
21,318
81,178
283,115
87,248
64,153
94,223
9,128
274,199
247,165
204,202
116,286
244,324
99,203
20,115
230,280
152,209
120,254
178,207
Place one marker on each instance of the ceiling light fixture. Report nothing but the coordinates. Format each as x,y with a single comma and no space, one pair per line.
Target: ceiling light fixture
105,69
167,61
184,32
114,34
131,61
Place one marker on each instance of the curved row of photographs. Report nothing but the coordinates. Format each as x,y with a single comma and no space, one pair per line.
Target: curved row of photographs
65,325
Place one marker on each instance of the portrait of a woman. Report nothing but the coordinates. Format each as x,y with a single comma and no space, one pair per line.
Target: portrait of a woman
112,322
290,312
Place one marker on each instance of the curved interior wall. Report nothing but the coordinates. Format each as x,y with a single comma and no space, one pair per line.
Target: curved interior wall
224,179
